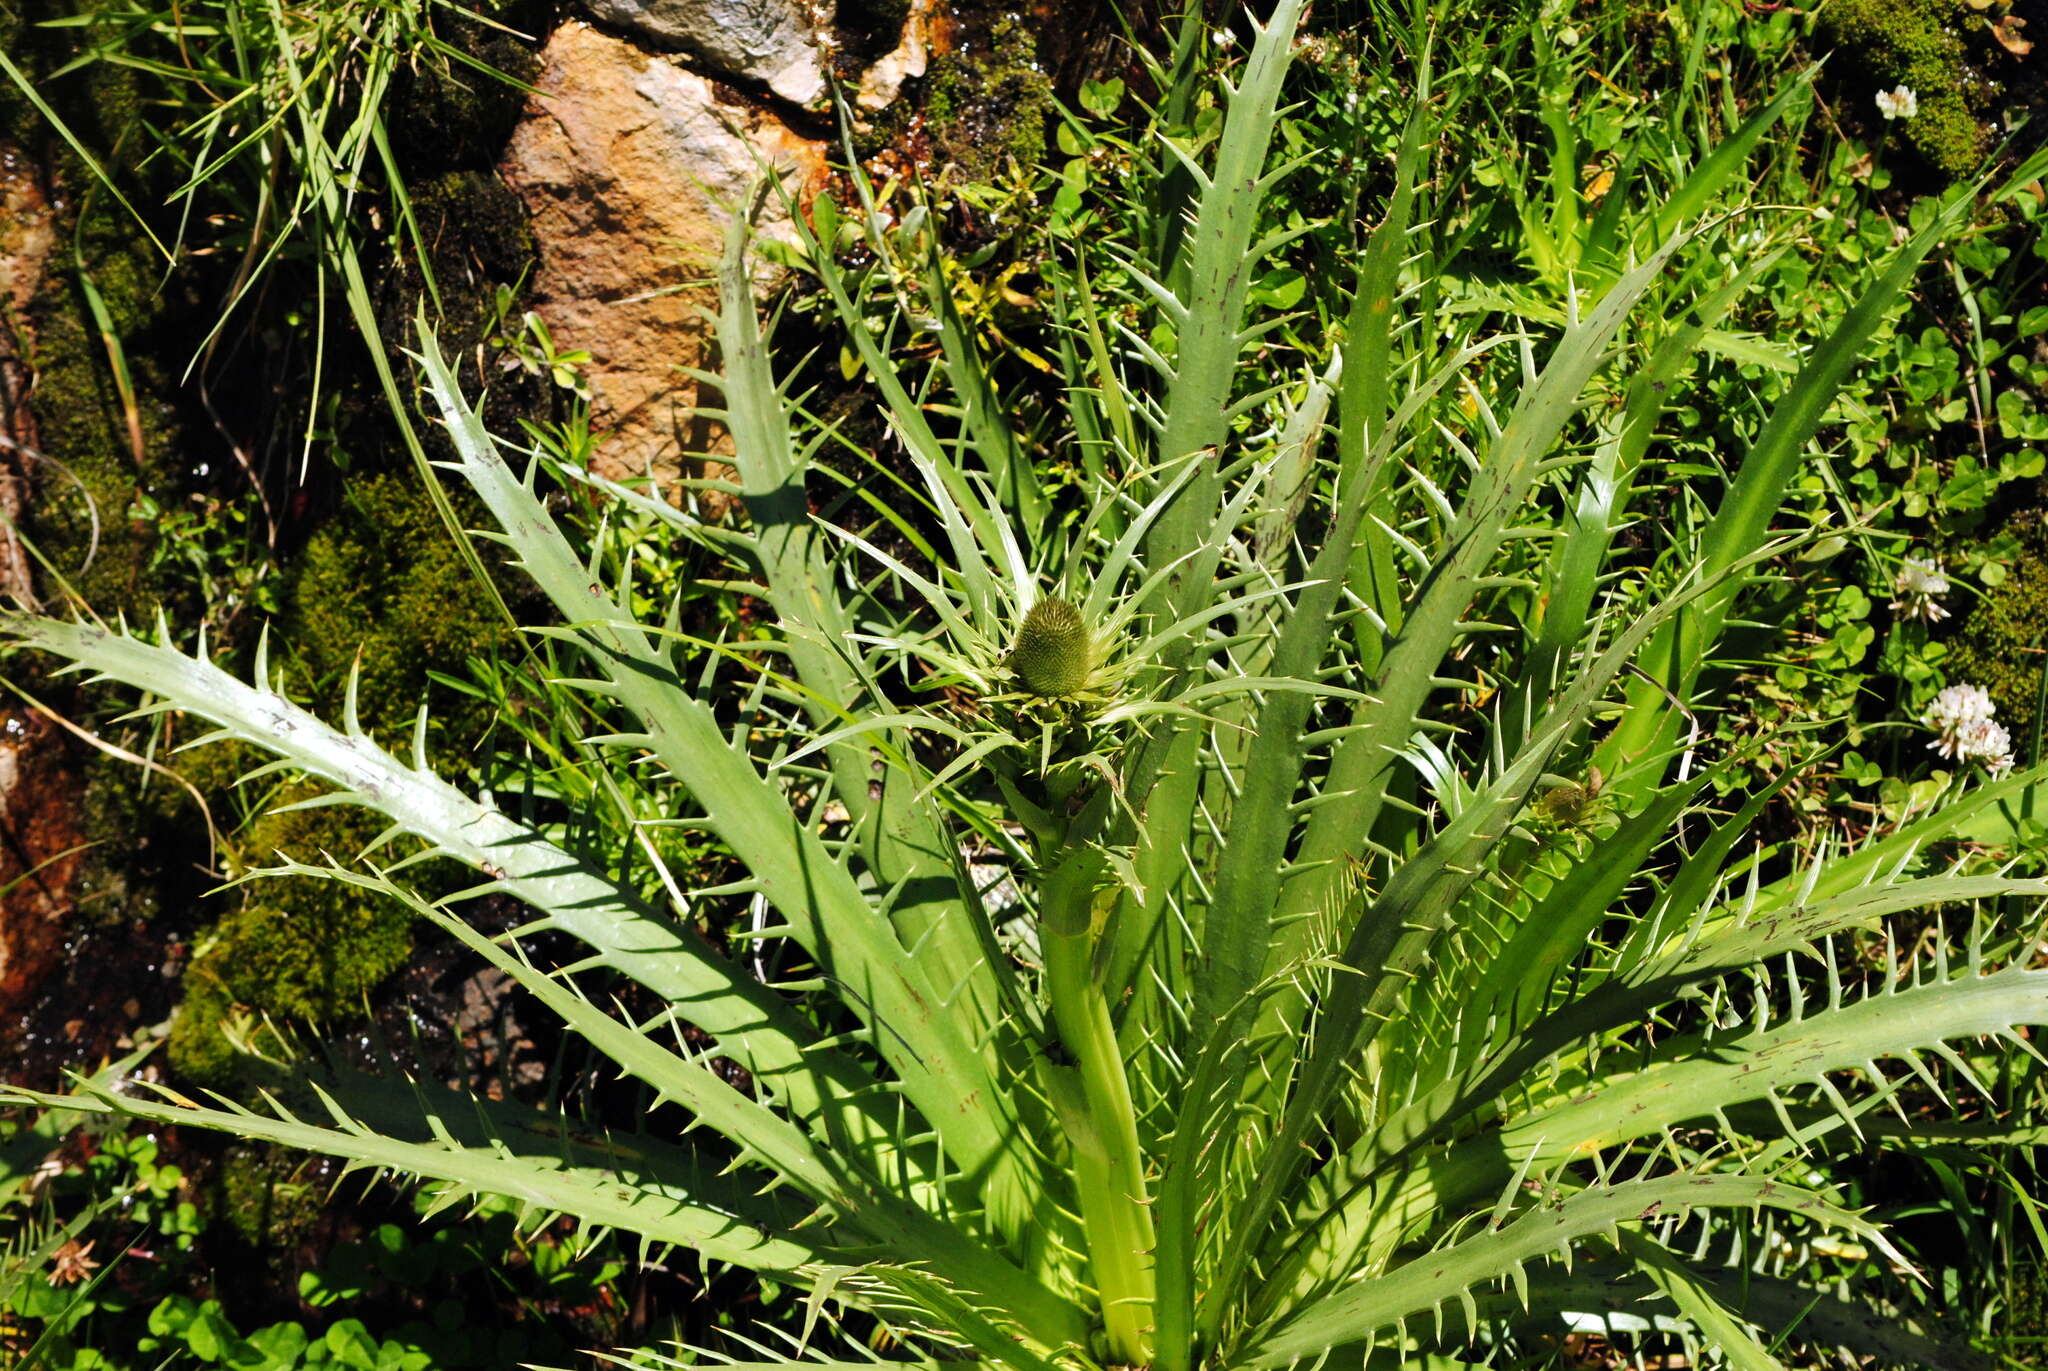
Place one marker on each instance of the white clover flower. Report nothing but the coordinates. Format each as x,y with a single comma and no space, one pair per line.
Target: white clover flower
1958,705
1919,586
1898,104
1964,731
1223,38
1988,743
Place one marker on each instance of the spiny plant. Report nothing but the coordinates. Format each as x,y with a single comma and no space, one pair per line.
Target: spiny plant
1322,1021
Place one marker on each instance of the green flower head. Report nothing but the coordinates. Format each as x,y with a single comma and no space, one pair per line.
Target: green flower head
1055,652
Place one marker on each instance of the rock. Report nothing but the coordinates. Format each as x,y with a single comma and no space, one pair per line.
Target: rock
883,82
28,234
501,1054
41,845
770,42
629,166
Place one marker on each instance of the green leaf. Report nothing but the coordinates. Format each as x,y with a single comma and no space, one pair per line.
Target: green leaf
1452,1273
1731,1337
1726,161
1100,98
1673,661
534,1177
1363,761
1210,309
350,1344
1238,942
901,840
753,1024
940,1066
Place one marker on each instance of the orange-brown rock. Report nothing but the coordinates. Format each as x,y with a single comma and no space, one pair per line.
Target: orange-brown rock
28,233
40,849
631,166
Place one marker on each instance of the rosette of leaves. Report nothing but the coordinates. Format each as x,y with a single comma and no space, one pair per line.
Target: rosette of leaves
1306,1047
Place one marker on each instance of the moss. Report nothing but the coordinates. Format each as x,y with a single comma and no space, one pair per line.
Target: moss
104,451
986,105
381,573
268,1194
136,877
380,588
102,454
477,238
1918,44
310,952
446,114
2026,1319
199,1046
1999,645
479,244
301,948
383,579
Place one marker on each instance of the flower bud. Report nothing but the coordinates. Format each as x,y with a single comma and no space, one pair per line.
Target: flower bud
1055,652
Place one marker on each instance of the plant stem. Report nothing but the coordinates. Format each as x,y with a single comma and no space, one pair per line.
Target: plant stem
1093,1099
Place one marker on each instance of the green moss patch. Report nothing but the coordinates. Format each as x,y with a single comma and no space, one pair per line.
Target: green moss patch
381,590
272,1196
1919,44
105,398
444,113
986,105
301,948
1999,646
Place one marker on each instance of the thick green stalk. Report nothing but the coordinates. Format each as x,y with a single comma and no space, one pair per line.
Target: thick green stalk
1093,1099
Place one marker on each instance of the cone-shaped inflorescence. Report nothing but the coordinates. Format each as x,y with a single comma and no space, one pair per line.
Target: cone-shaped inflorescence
1055,652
